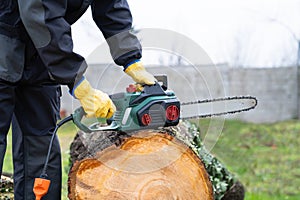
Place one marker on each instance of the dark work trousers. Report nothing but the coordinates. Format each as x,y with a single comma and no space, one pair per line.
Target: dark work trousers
32,105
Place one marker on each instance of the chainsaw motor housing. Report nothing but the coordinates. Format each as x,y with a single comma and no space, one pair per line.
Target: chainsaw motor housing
154,107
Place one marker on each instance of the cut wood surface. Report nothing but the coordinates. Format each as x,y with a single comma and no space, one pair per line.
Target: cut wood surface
142,166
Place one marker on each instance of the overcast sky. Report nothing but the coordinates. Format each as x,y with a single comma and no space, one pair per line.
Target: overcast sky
254,33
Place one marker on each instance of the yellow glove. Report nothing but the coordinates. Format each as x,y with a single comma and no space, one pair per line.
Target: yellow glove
94,102
139,74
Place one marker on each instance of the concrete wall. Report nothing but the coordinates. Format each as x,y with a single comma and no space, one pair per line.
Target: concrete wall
275,88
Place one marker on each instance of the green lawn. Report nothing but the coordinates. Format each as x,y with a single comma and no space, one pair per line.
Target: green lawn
264,157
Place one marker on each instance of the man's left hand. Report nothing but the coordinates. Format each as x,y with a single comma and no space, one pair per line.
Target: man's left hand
139,74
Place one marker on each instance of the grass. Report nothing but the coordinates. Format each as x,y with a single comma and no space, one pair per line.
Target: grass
265,157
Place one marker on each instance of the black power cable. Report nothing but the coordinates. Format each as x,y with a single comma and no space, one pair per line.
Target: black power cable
59,124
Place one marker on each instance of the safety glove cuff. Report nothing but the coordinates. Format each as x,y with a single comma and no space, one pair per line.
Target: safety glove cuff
82,89
138,73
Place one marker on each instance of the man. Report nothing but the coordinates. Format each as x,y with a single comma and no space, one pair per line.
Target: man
36,56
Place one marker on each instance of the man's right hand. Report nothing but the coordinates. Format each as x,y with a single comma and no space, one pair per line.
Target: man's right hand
94,102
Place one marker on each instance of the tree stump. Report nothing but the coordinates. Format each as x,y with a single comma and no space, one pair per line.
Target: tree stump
146,165
170,163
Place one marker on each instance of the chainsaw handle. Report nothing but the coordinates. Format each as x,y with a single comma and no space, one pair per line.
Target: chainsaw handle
79,113
162,79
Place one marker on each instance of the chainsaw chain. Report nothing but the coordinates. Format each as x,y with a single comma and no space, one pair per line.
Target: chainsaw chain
219,99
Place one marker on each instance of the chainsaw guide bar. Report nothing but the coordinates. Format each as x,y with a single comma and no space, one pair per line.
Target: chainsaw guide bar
230,105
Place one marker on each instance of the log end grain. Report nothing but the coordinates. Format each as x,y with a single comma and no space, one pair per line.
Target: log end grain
148,165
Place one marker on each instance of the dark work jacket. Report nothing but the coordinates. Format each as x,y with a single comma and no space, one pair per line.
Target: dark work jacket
45,27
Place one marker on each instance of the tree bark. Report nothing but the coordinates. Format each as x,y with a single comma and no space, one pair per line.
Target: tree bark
145,165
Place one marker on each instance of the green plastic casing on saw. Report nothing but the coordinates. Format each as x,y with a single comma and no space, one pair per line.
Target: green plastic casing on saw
154,107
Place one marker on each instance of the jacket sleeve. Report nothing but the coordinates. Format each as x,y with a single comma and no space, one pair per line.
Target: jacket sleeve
51,35
113,18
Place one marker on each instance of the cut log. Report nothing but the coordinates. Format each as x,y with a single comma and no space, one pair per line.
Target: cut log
145,165
87,146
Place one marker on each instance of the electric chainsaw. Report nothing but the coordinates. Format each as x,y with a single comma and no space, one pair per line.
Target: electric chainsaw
157,106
